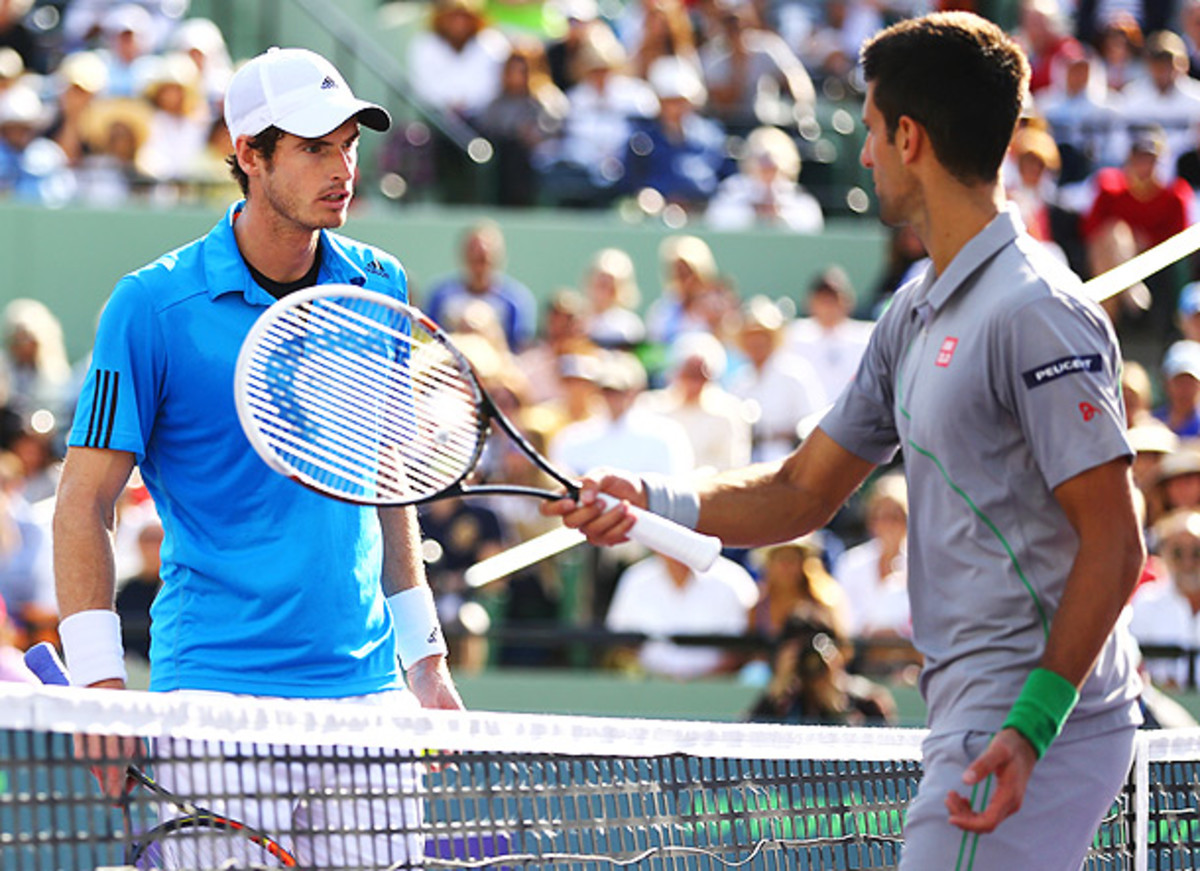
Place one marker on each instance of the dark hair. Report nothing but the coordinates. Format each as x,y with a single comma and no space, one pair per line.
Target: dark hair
264,143
960,77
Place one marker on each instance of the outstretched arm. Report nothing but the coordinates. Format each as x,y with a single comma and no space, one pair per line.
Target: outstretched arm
748,507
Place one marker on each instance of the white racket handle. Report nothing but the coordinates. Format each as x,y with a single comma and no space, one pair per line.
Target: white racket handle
694,549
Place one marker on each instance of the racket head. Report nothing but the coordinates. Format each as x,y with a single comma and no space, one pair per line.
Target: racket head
359,396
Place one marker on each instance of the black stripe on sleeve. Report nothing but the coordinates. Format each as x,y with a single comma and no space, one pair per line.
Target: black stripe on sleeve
89,441
111,411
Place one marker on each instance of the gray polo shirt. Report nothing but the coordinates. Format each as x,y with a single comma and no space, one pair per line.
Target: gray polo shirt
998,381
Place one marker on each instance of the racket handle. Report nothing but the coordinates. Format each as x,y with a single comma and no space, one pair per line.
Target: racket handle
43,660
694,549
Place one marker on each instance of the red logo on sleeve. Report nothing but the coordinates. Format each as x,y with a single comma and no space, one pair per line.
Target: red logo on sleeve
946,352
1088,411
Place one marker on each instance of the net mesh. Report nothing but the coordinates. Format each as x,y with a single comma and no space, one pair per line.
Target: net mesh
260,783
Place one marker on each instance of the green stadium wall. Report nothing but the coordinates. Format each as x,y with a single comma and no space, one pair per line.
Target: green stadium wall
70,258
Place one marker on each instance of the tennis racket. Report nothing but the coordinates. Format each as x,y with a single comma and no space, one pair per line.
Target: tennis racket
43,660
361,397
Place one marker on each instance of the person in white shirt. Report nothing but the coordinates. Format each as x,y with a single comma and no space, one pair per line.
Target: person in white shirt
715,420
874,574
829,338
779,389
660,597
1167,611
764,192
1165,96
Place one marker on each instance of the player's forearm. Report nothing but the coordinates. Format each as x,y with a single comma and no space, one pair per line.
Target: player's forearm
1102,578
773,502
403,568
84,570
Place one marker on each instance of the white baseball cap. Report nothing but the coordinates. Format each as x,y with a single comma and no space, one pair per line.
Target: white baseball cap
297,91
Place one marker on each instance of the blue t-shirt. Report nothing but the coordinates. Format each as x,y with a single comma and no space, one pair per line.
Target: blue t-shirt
268,588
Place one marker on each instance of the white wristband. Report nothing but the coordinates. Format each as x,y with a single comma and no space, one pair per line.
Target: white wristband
92,644
417,628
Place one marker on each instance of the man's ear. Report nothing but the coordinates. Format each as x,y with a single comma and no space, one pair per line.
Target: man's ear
249,159
910,138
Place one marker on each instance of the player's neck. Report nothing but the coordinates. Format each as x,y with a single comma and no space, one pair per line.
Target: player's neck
282,252
954,215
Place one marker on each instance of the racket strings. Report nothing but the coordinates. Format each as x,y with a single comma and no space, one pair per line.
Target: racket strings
377,407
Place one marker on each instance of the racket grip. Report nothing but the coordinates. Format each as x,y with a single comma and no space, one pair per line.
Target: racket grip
43,660
694,549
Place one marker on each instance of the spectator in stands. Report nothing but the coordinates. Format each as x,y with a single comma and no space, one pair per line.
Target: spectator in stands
114,129
626,436
1187,315
80,77
1081,116
794,577
202,41
1178,480
26,575
34,363
527,112
33,168
611,288
583,167
810,683
1181,384
764,191
1044,35
1152,443
179,124
563,332
135,593
1137,392
780,390
830,51
828,338
454,67
680,153
12,657
665,31
1137,204
1167,611
714,419
753,77
1165,96
689,289
129,41
623,436
481,260
874,574
16,34
86,21
1035,185
1189,29
660,597
562,50
1120,44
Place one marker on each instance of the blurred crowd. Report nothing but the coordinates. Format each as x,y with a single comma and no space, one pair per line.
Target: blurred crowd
703,108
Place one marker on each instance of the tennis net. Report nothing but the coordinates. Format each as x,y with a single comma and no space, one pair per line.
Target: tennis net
270,783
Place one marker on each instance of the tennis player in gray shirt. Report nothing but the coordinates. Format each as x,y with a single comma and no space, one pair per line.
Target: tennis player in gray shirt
998,382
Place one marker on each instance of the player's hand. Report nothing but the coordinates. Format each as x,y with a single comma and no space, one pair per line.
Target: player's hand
1011,759
111,755
602,526
430,680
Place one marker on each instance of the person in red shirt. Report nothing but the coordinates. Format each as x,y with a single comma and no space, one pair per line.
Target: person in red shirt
1135,208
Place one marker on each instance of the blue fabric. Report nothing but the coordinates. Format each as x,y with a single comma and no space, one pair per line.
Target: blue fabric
686,170
514,304
268,588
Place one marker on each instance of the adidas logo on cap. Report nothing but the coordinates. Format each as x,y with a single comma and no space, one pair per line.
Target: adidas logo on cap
328,83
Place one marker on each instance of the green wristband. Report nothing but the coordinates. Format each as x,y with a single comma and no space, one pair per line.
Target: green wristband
1044,704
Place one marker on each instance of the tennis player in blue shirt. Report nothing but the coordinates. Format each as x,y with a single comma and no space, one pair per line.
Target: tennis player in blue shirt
268,589
998,380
